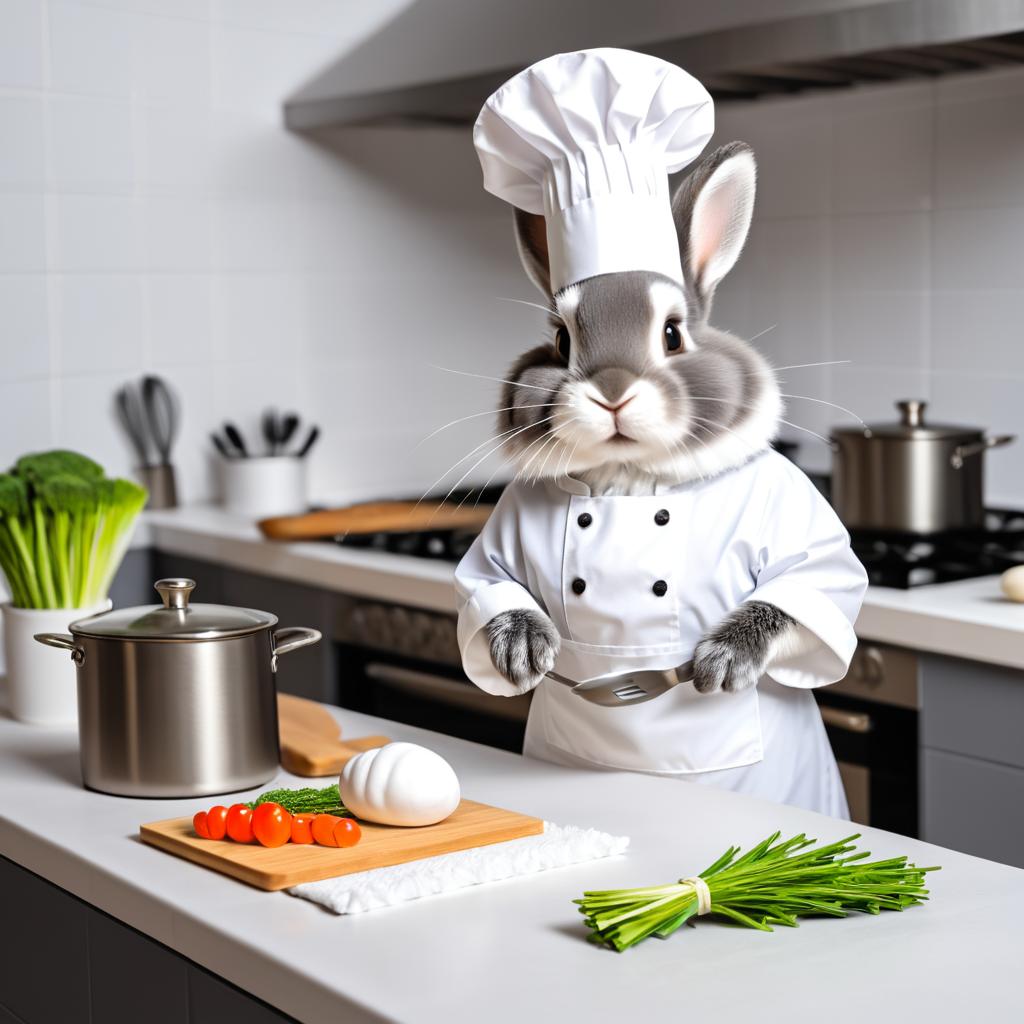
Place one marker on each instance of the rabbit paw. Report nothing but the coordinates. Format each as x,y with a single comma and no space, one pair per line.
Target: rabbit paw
524,645
735,654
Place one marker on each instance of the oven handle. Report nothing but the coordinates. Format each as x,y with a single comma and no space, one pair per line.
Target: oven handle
848,721
448,691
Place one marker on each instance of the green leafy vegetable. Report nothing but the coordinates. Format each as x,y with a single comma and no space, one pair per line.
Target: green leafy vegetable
306,801
774,883
64,529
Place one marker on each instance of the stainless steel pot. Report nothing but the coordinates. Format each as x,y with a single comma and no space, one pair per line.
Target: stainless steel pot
178,699
912,476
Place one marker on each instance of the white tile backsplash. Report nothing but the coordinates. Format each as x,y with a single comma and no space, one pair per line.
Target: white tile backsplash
155,216
21,43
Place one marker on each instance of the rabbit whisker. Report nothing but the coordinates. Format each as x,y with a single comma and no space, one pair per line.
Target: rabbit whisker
536,305
821,401
498,380
503,436
761,334
486,412
807,430
804,366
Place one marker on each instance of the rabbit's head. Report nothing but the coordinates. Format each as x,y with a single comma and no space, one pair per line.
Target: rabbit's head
634,387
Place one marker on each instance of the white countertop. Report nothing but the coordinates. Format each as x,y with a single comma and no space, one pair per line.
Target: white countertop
516,950
968,619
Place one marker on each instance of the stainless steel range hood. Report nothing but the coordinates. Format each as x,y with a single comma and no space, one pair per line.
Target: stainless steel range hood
440,59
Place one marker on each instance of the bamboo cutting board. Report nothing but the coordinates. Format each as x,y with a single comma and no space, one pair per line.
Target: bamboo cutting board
375,517
470,826
309,735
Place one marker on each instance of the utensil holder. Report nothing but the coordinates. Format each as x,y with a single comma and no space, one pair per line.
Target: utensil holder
161,484
274,485
41,687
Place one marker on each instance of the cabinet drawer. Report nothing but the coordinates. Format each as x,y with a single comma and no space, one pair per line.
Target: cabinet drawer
973,709
973,806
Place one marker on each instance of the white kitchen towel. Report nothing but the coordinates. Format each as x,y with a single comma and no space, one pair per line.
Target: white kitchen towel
557,846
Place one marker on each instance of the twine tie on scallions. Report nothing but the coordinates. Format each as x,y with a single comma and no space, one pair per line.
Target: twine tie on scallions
773,883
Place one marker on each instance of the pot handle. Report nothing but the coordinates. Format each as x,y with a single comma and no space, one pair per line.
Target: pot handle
291,638
63,642
965,451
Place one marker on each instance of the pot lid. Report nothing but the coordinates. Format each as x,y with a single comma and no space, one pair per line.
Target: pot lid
912,426
175,619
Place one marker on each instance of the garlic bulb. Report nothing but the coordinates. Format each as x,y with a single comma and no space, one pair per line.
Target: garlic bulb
1012,582
399,784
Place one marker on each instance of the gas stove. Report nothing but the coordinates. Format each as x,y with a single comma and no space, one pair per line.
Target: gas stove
905,560
891,558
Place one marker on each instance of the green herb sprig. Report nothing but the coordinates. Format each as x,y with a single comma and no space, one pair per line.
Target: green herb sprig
309,800
773,883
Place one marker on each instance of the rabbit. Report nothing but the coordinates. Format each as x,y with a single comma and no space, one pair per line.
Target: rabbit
643,390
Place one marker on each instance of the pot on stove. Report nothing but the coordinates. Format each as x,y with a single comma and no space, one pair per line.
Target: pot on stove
910,476
178,699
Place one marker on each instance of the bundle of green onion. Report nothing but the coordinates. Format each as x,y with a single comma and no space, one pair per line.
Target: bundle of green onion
64,528
309,800
774,883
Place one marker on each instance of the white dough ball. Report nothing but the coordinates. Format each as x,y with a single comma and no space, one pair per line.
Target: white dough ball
399,784
1012,582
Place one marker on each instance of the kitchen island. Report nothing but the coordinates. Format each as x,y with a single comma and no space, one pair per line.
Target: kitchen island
516,950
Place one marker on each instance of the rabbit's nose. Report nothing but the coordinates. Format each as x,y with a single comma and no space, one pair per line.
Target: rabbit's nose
612,385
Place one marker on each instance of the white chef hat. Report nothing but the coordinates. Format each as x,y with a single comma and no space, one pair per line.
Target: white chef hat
588,139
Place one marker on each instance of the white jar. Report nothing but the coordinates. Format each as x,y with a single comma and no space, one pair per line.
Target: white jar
42,687
273,485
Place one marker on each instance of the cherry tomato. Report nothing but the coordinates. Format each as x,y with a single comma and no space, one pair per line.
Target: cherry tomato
239,823
323,829
217,821
347,832
271,824
302,834
199,824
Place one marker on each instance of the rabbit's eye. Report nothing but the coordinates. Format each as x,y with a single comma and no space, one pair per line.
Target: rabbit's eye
673,337
562,342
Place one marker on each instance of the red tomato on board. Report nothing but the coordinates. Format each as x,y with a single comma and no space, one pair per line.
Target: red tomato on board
302,834
217,821
323,829
271,825
239,823
347,832
200,826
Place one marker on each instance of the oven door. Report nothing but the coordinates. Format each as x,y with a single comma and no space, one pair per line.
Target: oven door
871,717
432,696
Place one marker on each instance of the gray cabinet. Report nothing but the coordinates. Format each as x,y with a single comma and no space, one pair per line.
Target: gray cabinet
65,962
972,758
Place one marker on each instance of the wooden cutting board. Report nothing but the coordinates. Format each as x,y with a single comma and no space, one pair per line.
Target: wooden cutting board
376,517
470,826
309,736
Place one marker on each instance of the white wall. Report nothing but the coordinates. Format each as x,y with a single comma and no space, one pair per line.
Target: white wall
890,231
155,216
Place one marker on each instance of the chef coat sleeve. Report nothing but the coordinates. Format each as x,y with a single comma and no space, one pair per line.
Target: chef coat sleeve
490,579
805,566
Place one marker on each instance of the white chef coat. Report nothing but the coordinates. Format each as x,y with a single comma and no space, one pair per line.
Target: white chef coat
761,532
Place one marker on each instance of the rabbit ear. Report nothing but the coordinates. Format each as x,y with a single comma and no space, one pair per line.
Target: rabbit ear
712,210
532,243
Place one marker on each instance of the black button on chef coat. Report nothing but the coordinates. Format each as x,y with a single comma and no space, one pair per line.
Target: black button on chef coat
584,519
660,588
661,517
578,585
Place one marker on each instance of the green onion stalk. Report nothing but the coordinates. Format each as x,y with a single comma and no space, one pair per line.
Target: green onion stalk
64,529
772,884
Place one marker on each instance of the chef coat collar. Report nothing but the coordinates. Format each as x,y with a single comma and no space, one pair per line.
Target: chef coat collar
580,489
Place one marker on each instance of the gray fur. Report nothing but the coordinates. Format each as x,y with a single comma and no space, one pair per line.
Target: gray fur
719,398
734,655
524,645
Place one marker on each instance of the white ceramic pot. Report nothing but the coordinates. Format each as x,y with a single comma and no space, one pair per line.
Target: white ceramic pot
260,487
41,683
